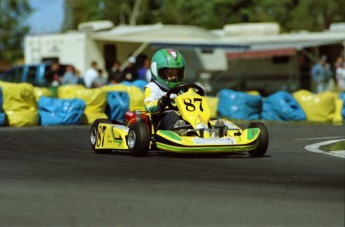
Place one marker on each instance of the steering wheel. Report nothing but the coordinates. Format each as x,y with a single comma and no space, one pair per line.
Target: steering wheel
183,87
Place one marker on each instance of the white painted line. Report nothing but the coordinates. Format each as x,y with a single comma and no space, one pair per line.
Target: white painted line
315,148
321,138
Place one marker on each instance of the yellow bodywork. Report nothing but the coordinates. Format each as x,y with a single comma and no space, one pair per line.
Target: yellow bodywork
111,136
231,142
194,109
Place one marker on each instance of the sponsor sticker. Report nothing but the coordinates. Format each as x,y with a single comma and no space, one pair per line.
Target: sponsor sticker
223,140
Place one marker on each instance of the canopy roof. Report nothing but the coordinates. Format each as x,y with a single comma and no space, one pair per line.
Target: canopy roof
289,40
158,35
191,37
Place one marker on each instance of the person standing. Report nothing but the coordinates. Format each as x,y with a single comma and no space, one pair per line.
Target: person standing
130,72
99,81
340,77
321,73
91,74
115,73
70,76
53,75
144,73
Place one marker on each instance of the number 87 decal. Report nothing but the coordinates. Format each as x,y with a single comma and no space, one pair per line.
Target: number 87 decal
190,104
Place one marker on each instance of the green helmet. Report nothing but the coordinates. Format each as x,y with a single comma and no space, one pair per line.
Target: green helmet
167,68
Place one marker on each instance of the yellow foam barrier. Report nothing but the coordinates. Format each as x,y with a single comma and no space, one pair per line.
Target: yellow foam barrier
253,92
317,107
338,118
136,95
95,100
19,104
67,91
42,91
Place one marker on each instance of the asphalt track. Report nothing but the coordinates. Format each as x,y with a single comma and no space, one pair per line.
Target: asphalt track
49,176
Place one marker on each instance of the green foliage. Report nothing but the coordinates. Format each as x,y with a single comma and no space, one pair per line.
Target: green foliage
314,15
78,11
338,146
12,28
118,11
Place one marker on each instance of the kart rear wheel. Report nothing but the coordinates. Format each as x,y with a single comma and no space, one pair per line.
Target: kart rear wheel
94,135
261,149
138,139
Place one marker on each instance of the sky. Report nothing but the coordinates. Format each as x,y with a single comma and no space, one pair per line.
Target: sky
47,16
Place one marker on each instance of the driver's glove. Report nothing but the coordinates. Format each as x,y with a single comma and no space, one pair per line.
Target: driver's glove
163,102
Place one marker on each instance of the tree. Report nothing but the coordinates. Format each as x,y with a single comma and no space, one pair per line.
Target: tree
230,11
12,29
118,11
314,15
78,11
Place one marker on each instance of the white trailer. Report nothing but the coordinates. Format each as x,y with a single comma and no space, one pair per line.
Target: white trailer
75,48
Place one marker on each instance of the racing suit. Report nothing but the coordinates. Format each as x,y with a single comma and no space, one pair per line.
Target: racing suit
153,93
152,103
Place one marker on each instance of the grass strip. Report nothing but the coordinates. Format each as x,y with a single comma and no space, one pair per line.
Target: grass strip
338,146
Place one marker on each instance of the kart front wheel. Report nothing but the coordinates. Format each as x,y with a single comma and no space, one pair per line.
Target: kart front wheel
95,137
138,139
261,148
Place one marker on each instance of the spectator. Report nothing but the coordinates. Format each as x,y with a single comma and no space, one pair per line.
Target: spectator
53,75
338,63
144,73
70,76
115,73
321,74
99,81
80,79
91,74
130,72
340,77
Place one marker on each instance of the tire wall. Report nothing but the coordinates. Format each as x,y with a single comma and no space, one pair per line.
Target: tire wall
239,105
19,104
326,107
2,114
323,107
95,100
55,111
117,105
42,91
136,100
282,106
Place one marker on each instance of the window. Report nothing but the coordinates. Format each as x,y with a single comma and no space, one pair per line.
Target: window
14,75
31,78
109,55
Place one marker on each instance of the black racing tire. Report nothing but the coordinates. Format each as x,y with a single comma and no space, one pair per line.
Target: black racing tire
261,149
138,139
94,136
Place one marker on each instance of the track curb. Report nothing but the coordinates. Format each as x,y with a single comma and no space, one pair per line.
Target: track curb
316,148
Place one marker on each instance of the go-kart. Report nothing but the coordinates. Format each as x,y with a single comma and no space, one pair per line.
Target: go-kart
195,133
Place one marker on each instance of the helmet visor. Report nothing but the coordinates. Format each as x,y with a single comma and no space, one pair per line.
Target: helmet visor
172,74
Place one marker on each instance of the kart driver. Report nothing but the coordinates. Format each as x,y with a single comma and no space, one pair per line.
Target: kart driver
167,69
